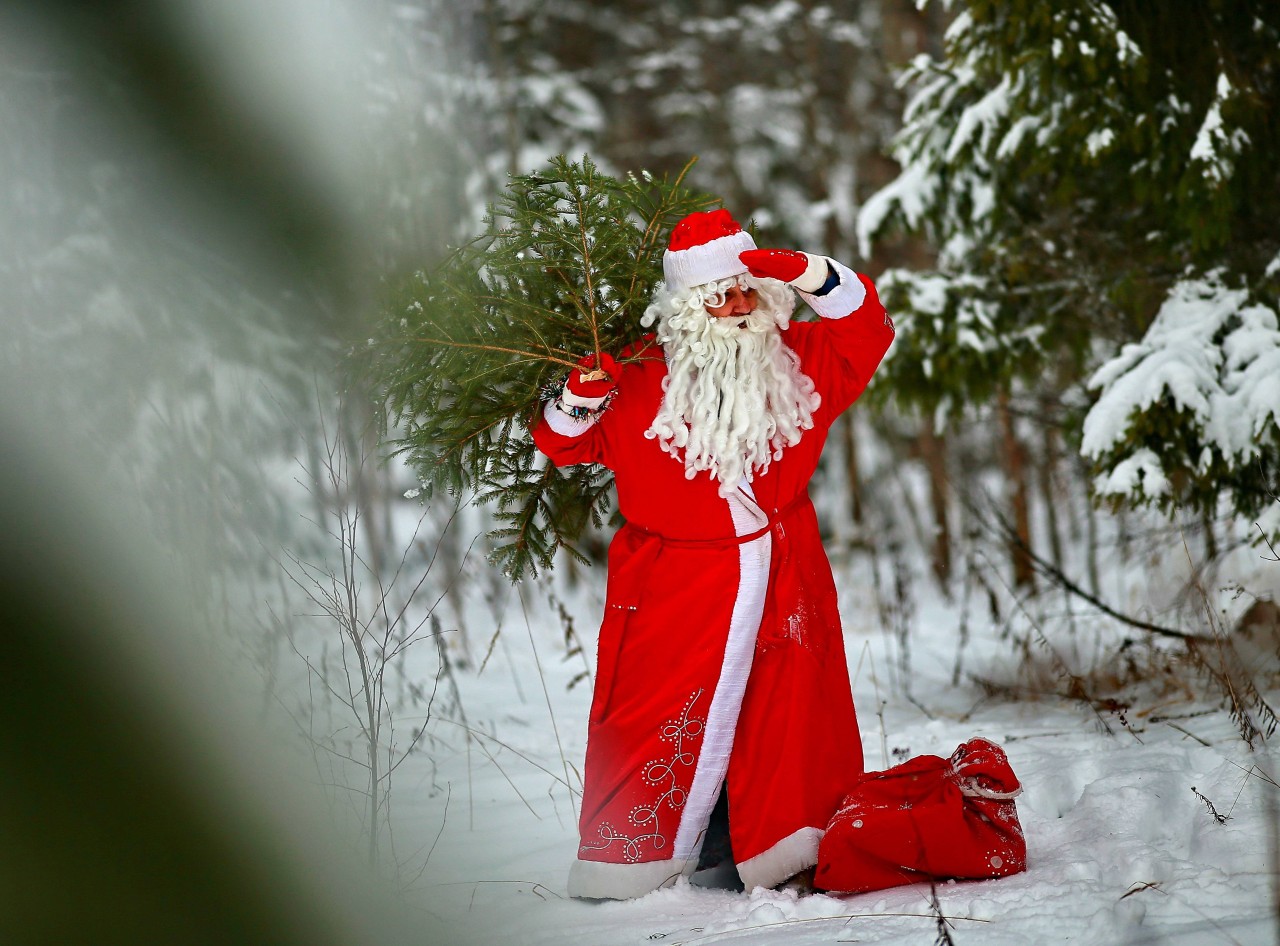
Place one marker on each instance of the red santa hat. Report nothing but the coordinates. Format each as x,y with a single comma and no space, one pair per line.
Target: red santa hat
705,247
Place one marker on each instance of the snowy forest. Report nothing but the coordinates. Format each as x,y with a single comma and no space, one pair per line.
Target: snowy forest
274,678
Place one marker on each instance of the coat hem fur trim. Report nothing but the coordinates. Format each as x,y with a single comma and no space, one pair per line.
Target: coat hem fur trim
600,880
794,853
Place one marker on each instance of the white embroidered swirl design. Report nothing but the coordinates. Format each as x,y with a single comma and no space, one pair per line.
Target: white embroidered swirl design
664,774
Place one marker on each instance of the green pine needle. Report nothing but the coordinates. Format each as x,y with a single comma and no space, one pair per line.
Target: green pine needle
566,264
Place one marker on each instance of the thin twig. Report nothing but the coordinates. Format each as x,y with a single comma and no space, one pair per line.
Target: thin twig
650,230
555,729
1257,771
477,346
827,919
944,923
1274,557
593,317
1049,570
533,885
1213,811
481,734
1187,732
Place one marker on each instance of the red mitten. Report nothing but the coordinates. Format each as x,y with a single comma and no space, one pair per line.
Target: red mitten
803,270
591,380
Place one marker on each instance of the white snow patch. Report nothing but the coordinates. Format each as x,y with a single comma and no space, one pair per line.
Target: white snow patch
1127,50
1099,141
911,192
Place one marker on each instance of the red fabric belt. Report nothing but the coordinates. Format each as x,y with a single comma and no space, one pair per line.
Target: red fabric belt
729,541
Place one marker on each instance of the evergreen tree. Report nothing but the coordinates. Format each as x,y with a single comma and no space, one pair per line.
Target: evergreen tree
567,262
787,104
1095,174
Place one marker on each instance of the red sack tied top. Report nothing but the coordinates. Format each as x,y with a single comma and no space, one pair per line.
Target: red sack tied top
927,819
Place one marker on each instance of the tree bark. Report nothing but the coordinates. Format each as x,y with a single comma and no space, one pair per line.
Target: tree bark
1047,471
1015,465
933,451
850,444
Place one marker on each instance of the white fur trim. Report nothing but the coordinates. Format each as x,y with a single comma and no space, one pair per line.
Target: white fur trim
794,853
569,399
565,425
841,301
726,703
600,880
814,276
707,262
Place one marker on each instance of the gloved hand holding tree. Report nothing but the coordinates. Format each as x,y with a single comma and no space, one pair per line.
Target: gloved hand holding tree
588,387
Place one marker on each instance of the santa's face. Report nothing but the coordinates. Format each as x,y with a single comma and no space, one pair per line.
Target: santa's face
738,301
734,397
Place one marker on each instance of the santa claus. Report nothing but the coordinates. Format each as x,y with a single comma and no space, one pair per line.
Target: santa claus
721,664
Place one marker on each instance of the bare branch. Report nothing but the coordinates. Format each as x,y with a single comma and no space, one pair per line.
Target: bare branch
1054,574
1274,557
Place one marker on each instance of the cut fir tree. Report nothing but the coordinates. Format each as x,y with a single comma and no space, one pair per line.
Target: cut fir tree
566,265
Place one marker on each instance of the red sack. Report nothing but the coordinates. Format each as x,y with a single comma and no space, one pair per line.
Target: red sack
927,819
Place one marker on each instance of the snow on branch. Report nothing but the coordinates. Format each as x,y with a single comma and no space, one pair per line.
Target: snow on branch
1217,145
1199,395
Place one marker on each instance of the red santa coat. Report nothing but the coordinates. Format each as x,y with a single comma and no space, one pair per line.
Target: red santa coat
720,654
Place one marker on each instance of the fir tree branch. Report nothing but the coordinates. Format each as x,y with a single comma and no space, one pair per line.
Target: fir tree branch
457,446
592,317
567,256
477,346
652,228
551,315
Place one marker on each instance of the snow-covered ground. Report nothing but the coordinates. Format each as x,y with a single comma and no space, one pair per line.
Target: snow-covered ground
1122,848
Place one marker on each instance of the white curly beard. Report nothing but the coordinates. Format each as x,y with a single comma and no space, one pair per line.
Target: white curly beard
734,396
